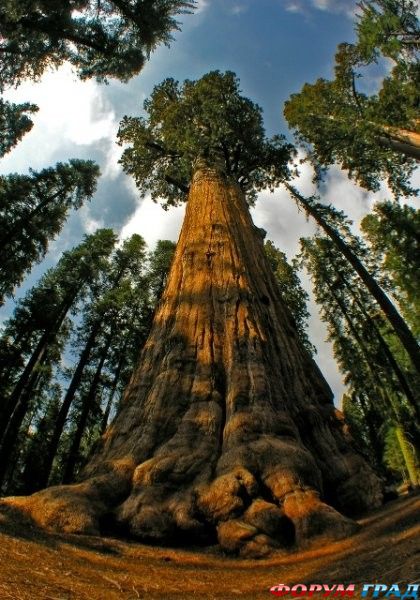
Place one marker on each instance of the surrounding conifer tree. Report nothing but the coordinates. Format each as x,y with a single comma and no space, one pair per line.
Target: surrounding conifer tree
58,432
33,209
388,27
14,123
100,38
374,137
393,232
400,456
36,324
334,224
291,290
362,409
378,383
227,427
160,260
100,319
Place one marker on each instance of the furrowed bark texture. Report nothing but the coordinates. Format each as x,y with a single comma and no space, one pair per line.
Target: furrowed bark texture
227,427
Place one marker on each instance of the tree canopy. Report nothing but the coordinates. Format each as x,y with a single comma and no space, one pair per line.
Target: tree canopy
393,231
100,38
388,27
33,209
374,136
14,123
96,305
380,382
204,118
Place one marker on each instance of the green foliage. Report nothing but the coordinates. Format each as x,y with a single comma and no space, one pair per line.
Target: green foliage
382,385
100,38
14,123
291,290
33,209
400,455
159,264
389,27
360,132
393,231
41,309
393,455
364,420
112,294
204,118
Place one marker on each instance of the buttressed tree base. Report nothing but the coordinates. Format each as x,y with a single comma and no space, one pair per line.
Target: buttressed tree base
227,430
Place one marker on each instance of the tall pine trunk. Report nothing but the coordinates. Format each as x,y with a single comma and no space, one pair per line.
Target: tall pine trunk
12,404
114,386
88,404
409,456
16,406
227,427
372,429
375,377
392,362
393,316
389,356
60,422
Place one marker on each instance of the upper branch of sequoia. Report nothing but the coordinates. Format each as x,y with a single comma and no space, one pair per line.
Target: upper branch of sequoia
207,118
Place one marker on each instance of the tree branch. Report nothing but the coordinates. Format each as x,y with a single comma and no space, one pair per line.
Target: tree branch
34,25
161,149
178,184
355,94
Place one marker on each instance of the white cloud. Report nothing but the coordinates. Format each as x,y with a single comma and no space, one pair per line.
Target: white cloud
278,214
294,7
152,222
71,112
112,168
347,7
238,9
202,5
90,224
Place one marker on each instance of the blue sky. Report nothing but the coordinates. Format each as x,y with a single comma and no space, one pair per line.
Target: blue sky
274,46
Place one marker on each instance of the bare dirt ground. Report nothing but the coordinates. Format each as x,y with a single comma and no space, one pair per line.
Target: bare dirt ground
36,565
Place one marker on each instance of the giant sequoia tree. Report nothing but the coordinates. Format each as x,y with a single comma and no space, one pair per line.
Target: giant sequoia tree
227,427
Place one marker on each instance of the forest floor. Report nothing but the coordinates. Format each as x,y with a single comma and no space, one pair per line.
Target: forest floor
36,565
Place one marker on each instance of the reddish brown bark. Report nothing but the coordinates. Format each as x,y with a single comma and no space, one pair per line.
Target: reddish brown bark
227,427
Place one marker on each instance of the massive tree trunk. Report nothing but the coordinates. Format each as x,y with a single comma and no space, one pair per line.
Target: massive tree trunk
227,427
